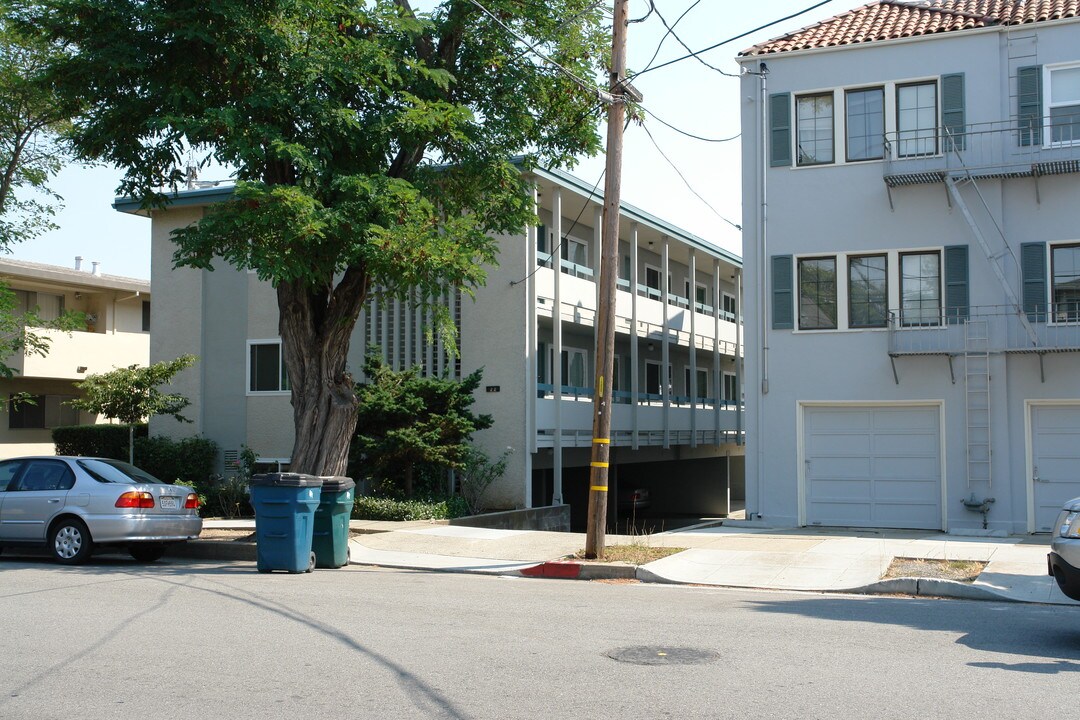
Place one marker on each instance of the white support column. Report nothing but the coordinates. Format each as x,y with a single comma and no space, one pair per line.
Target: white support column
418,331
693,389
440,351
598,228
531,369
430,319
665,351
718,373
556,329
634,360
395,341
738,358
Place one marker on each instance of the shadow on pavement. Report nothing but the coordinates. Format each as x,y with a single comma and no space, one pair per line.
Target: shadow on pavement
1041,631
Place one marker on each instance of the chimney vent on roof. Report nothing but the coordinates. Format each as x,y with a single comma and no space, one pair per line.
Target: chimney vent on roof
78,262
95,271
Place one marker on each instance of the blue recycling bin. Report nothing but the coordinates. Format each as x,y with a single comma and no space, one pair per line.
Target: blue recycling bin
285,506
330,540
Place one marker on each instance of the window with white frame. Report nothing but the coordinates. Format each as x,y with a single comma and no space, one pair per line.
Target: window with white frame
731,388
266,367
814,128
817,293
920,288
916,119
1063,104
575,367
575,251
868,291
652,280
865,122
702,382
1065,282
41,411
729,306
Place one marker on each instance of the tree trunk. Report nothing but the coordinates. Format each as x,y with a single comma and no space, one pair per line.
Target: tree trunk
316,327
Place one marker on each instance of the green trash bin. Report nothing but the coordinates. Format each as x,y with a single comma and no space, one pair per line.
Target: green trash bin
330,533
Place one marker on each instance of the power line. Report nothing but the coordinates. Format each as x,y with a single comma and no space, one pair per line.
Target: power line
732,39
661,43
688,134
671,30
687,182
600,94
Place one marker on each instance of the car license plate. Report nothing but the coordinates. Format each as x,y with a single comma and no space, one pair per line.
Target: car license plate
170,502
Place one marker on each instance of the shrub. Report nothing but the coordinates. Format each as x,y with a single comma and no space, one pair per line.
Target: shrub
189,461
479,473
105,441
373,508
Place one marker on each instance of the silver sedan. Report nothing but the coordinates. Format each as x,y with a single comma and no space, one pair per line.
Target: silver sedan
74,504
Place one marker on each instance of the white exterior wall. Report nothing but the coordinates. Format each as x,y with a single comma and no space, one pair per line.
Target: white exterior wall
842,208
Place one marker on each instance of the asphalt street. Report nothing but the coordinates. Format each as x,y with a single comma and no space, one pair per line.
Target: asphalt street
182,639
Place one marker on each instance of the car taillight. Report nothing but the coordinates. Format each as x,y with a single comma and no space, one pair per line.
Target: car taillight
135,499
192,502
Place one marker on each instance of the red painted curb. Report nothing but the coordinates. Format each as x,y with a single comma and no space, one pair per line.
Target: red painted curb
554,569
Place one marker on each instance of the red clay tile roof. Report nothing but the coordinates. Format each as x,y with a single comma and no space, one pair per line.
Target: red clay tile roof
892,19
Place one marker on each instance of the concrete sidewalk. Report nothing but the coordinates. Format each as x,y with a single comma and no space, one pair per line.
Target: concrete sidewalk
830,560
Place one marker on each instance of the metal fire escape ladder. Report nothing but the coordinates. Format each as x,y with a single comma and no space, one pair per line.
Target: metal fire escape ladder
977,399
991,256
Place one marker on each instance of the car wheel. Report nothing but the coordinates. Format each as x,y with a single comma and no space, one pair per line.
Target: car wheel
70,542
147,552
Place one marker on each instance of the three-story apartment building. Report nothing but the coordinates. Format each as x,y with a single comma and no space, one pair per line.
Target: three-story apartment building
677,418
911,176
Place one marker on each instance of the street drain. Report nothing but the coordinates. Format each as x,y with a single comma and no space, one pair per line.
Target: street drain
661,655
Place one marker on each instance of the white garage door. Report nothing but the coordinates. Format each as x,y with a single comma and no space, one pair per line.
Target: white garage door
1055,459
873,466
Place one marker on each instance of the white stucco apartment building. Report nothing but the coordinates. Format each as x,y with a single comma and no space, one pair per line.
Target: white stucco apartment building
681,438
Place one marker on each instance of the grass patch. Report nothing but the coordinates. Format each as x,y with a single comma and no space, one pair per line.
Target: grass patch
962,570
633,554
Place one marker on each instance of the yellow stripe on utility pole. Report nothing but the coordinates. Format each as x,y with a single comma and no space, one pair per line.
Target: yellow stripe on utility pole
598,488
599,464
601,441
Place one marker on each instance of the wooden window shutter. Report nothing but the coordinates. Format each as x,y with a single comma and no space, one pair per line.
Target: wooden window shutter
956,283
1033,271
1029,110
953,118
783,299
780,129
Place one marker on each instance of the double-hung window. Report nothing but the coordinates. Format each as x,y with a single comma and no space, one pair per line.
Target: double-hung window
1065,282
865,124
1064,104
920,288
817,293
266,367
868,291
814,127
916,119
652,281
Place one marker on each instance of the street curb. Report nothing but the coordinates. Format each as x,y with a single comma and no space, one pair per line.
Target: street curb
573,570
931,587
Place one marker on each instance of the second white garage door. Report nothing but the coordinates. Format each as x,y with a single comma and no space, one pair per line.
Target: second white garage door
873,466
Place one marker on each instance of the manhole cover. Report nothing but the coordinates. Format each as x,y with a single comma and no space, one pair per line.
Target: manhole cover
661,655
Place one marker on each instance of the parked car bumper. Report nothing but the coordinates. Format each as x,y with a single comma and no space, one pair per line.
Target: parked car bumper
1067,576
143,528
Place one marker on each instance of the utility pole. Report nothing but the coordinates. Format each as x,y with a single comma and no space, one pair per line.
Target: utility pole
605,316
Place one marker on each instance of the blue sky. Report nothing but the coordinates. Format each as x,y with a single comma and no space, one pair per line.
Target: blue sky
686,94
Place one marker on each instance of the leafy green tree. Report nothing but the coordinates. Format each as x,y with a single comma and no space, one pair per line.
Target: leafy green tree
132,394
32,122
372,145
407,421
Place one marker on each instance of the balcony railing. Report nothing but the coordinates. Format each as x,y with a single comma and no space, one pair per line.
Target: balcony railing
1000,149
1046,329
625,397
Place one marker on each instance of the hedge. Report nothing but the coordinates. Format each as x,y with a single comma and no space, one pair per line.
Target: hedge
106,441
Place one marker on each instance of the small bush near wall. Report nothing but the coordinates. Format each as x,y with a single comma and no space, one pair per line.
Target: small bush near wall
106,441
373,508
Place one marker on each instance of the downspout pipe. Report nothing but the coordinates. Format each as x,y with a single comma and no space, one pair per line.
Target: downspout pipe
763,281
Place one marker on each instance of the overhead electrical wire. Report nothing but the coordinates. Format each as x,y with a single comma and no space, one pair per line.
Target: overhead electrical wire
684,132
671,31
687,182
734,38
